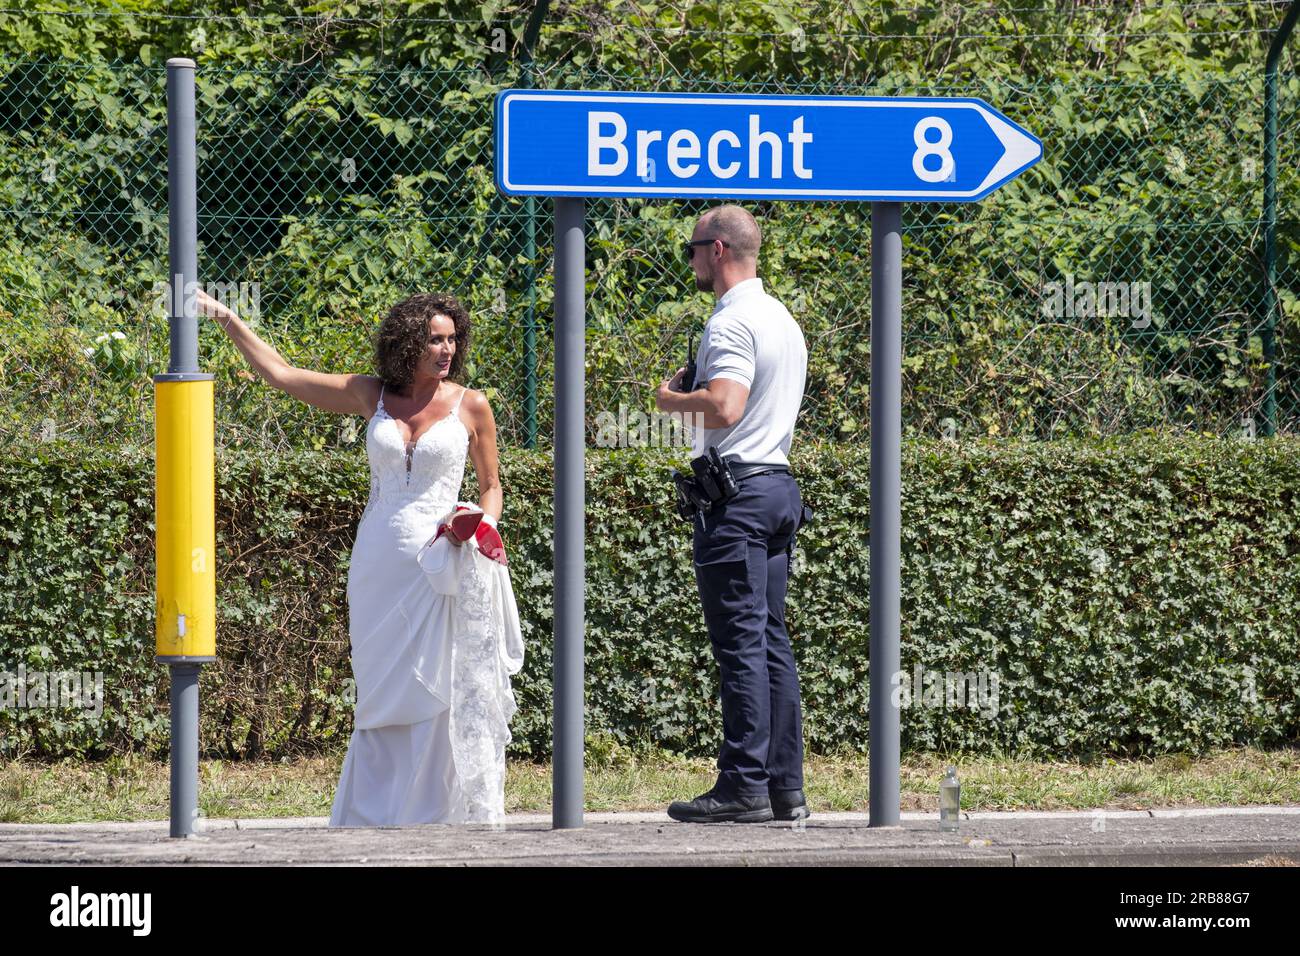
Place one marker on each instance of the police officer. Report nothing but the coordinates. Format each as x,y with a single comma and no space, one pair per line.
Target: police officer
751,367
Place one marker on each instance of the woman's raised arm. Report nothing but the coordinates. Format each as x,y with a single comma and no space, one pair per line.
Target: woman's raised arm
346,394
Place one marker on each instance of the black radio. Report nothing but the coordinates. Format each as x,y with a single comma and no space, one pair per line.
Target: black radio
687,383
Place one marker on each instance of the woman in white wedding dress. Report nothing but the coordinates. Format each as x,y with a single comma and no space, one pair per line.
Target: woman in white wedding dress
432,665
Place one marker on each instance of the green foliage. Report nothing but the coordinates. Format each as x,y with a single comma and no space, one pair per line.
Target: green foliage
345,162
1134,596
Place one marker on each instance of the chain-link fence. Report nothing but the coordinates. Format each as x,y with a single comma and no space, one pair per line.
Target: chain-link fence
1117,285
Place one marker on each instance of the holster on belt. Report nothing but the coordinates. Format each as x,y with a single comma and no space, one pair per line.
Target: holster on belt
690,498
712,484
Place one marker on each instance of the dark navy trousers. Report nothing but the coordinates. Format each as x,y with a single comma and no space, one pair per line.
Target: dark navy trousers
742,553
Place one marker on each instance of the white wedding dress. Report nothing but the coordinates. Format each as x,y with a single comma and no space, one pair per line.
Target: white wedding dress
432,669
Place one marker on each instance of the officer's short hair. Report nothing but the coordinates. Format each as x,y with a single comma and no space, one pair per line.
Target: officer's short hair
734,225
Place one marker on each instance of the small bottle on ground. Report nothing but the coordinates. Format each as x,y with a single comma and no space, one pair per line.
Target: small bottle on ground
949,801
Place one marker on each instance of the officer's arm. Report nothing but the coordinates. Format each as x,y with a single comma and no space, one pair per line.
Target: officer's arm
719,404
730,370
728,398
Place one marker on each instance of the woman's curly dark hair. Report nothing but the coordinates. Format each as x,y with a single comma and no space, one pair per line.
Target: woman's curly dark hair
403,337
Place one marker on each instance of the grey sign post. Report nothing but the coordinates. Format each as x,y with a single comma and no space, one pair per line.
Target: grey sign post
570,508
886,517
577,143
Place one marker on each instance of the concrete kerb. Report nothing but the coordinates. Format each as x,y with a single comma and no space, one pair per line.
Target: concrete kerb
1191,836
533,818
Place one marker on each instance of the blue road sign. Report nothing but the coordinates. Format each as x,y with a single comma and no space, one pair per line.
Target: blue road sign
727,146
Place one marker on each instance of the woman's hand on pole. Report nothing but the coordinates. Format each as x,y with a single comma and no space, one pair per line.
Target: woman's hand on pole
207,305
266,361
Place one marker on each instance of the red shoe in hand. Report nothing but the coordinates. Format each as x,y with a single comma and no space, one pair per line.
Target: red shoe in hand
490,544
460,525
464,523
467,524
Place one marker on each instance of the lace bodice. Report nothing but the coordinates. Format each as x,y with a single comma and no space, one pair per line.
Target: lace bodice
428,471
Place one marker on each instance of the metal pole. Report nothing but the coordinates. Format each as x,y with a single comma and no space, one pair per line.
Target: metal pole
1270,213
570,506
182,212
184,747
182,648
886,519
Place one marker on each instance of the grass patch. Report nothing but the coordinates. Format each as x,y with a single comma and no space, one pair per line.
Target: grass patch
619,778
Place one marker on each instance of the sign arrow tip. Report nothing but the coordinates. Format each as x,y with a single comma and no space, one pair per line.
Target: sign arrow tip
1020,149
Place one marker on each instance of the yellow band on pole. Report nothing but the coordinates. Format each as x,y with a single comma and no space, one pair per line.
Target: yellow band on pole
184,506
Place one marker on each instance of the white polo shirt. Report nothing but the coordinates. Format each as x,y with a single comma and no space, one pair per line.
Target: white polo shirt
752,339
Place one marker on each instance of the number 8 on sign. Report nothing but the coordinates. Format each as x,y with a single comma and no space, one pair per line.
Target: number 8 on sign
926,148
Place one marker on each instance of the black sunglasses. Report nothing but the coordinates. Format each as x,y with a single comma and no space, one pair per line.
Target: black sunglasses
688,248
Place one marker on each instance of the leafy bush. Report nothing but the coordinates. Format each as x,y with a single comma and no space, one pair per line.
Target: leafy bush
1134,596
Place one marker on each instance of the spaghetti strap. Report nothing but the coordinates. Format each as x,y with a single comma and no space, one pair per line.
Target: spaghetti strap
381,397
455,408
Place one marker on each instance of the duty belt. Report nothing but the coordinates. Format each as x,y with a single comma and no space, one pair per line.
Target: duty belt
741,472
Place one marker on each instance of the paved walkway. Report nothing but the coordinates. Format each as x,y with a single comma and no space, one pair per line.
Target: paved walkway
1253,836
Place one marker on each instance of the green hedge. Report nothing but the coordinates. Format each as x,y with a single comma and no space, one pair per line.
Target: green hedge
1133,596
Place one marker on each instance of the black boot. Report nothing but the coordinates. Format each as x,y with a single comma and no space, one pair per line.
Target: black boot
713,807
788,805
